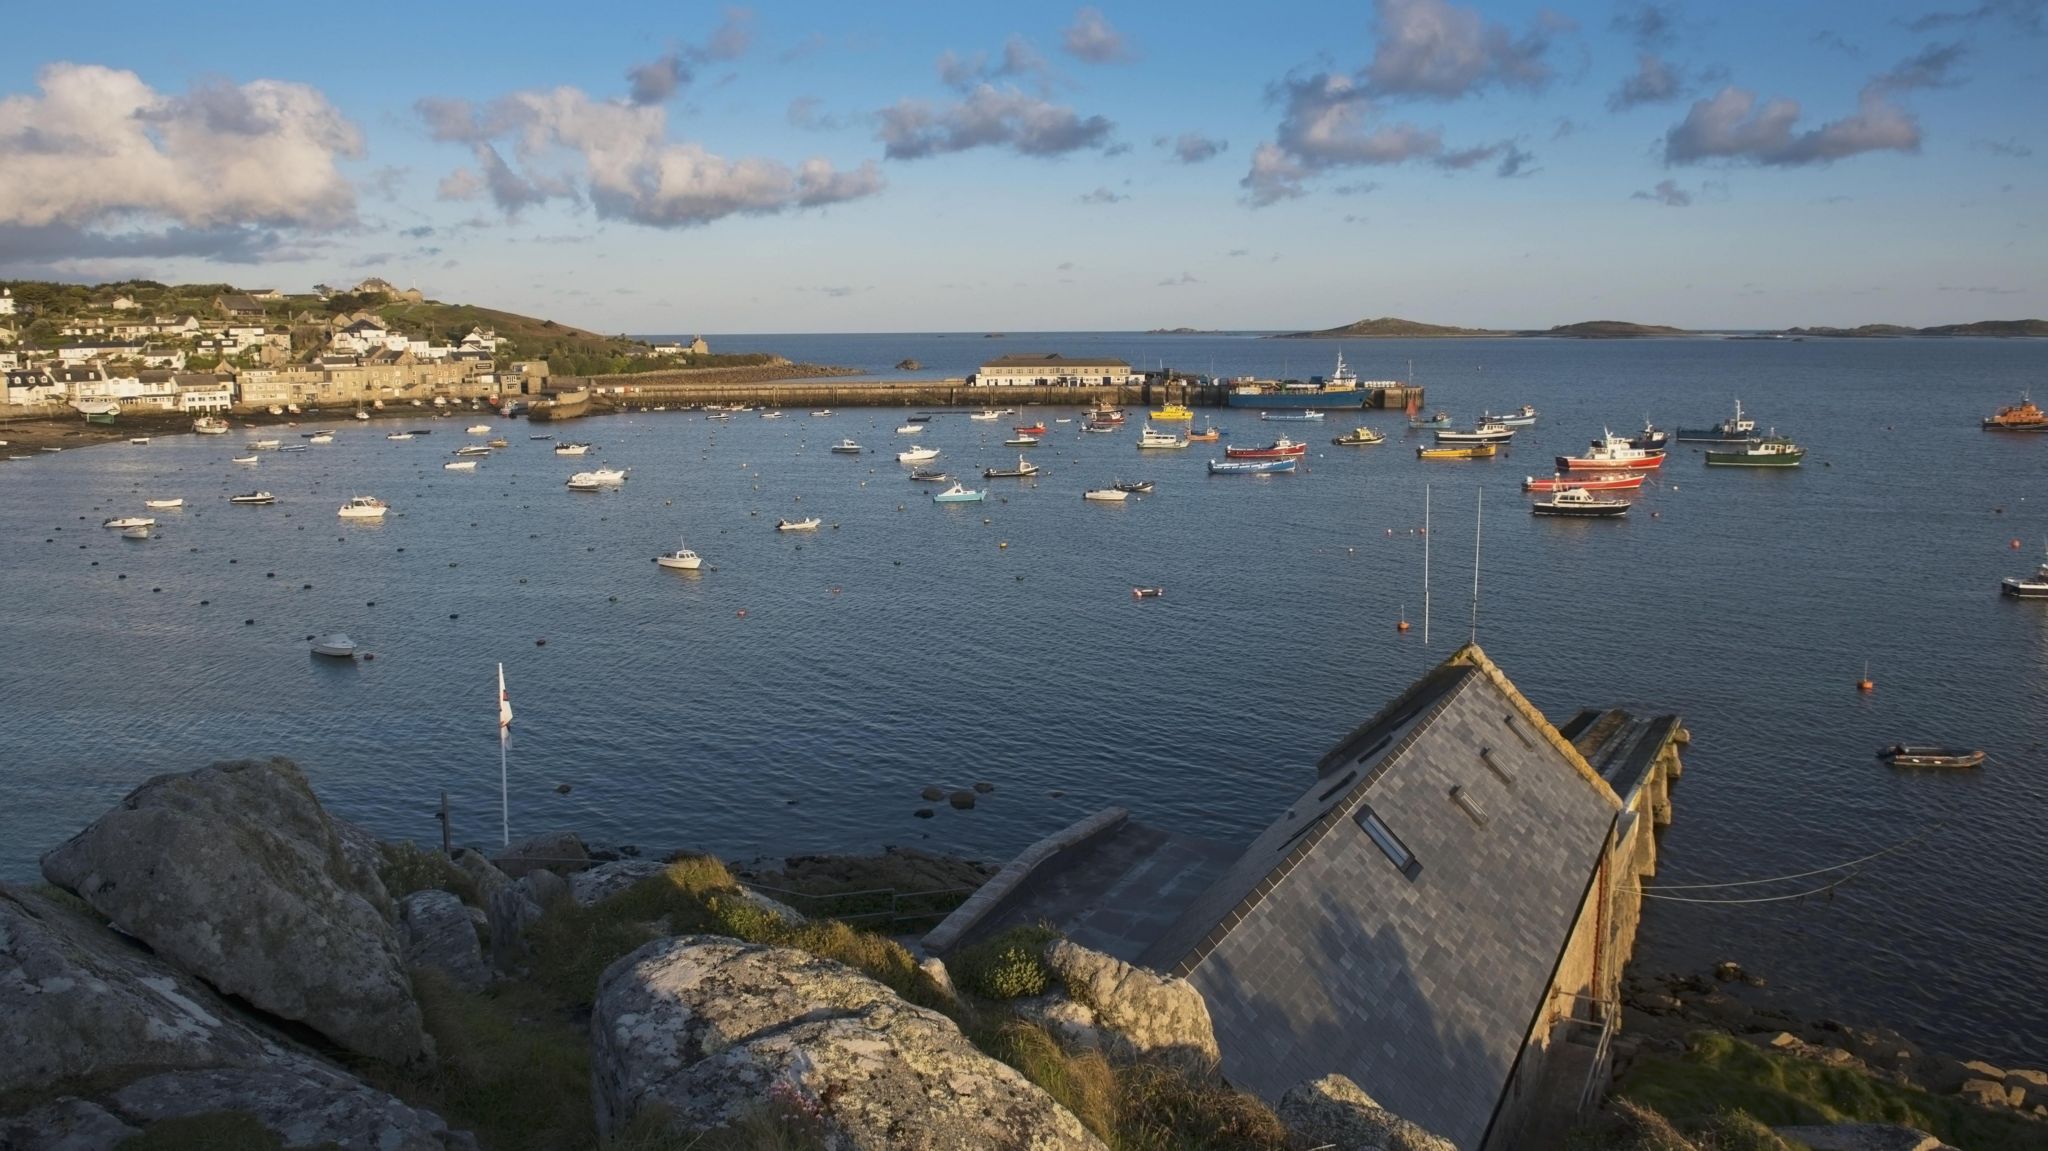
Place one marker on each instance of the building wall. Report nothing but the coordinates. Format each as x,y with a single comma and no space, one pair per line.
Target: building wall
1034,375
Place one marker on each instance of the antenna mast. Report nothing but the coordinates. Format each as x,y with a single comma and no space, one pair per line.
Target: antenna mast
1478,522
1425,565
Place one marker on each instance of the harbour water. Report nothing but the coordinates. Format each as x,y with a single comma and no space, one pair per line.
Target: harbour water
797,693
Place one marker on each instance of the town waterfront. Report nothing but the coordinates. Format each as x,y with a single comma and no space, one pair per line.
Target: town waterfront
797,693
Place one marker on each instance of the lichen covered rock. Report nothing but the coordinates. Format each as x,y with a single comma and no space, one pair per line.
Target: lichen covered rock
235,874
1151,1013
304,1106
438,933
1336,1112
706,1028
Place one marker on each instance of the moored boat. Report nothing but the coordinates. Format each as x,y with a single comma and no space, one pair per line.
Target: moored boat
916,455
1441,419
1135,487
1592,482
1358,436
140,532
1651,438
1175,412
988,415
253,498
1209,433
459,466
1104,413
909,429
809,525
1037,429
399,436
1281,448
681,559
335,646
1459,452
846,448
473,450
1340,390
1522,417
1022,441
1250,467
1769,452
2027,587
1480,433
929,475
1147,592
1611,453
1024,468
210,426
177,502
320,438
478,429
1580,503
363,508
2024,416
959,495
1923,755
571,449
245,459
1734,430
129,522
1150,437
1302,417
597,479
1106,495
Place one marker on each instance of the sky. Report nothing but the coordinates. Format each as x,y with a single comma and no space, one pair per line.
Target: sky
672,167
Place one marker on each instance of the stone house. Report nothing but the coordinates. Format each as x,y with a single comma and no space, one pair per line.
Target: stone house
1442,914
6,301
237,306
1053,369
27,386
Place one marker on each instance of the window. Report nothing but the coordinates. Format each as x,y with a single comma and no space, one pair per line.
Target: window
1397,852
1493,765
1517,729
1464,799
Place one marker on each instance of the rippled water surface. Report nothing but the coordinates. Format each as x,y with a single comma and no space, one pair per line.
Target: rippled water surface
797,693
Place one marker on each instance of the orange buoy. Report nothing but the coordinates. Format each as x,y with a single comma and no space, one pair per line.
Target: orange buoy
1865,685
1402,626
2015,545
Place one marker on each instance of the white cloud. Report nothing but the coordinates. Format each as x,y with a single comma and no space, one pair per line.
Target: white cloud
99,147
1731,125
1667,193
629,168
988,116
1193,147
1091,38
1438,50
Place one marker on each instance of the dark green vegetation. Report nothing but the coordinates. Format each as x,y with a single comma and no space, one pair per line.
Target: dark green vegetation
1722,1087
2002,328
1388,327
1610,330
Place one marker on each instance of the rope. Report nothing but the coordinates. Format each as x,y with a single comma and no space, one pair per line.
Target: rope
1757,899
1899,846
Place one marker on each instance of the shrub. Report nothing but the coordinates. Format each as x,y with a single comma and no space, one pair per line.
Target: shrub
405,867
1006,966
512,1067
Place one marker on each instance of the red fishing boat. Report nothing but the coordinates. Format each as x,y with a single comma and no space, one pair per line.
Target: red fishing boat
1280,449
1037,429
1612,453
1598,482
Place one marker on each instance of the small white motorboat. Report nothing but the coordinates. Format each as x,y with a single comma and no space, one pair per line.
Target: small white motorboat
336,645
822,412
253,498
1106,495
809,525
916,455
320,438
473,450
170,503
846,448
135,533
129,522
459,466
599,478
909,429
362,415
399,436
138,439
681,559
478,429
363,508
245,460
262,445
985,416
571,449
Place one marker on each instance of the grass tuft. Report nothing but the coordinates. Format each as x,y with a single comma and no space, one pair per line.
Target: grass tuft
406,867
1006,966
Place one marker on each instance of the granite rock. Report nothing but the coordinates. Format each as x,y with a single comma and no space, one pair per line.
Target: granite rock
235,874
65,1124
303,1106
1333,1111
706,1028
438,933
1150,1012
561,852
1860,1137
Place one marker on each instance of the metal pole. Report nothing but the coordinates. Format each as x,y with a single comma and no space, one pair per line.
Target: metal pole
504,793
1425,565
445,849
1478,520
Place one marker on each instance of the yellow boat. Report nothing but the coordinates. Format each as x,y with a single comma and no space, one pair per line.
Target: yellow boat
1174,412
1461,452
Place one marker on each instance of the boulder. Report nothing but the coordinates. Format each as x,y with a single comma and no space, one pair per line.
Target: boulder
65,1124
482,872
1985,1092
934,969
234,873
705,1028
561,852
80,1001
1150,1012
304,1106
362,855
1334,1112
775,907
545,888
1979,1069
1069,1022
510,911
608,879
1859,1137
438,933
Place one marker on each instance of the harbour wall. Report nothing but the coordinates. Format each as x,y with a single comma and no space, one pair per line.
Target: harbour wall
613,395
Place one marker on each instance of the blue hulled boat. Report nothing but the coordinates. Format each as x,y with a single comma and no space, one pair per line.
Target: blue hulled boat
1250,467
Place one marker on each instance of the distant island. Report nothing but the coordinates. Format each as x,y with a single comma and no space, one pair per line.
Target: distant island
1391,328
1180,331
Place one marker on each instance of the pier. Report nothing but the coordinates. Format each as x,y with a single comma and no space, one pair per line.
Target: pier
615,393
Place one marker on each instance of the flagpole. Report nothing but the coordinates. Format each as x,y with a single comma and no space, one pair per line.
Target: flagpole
1478,520
504,737
1425,565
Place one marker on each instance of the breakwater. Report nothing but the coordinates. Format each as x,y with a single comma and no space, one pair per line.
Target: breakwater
948,393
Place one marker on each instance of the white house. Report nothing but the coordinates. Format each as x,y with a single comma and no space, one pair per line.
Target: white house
85,350
204,392
1047,370
32,386
6,301
124,304
481,339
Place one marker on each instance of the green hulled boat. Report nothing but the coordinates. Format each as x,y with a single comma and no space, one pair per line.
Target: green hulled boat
1769,452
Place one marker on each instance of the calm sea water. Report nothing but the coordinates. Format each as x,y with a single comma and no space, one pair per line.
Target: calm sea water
797,694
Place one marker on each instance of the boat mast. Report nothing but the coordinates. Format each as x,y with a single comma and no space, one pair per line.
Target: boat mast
1425,565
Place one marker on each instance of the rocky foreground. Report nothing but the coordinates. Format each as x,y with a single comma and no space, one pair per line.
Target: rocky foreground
218,961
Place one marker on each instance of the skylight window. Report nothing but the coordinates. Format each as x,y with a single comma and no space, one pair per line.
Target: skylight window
1397,852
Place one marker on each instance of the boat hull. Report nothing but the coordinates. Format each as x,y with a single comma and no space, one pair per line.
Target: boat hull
1745,460
1249,467
1930,757
1596,511
2019,588
1349,399
1585,464
1590,483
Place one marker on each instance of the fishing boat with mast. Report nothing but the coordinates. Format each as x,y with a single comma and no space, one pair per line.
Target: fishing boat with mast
1340,389
1592,482
1522,417
1484,432
1024,469
1359,436
2024,416
1612,453
1734,430
1579,503
2027,587
1651,438
1151,437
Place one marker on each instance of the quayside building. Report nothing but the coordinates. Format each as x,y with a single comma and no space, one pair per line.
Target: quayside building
1442,914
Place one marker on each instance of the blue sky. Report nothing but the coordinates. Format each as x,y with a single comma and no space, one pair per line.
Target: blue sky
660,167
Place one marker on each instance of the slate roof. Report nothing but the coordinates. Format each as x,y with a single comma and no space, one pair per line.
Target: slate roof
1417,969
1054,360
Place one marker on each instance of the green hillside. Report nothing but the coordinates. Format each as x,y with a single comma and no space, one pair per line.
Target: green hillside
1390,328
